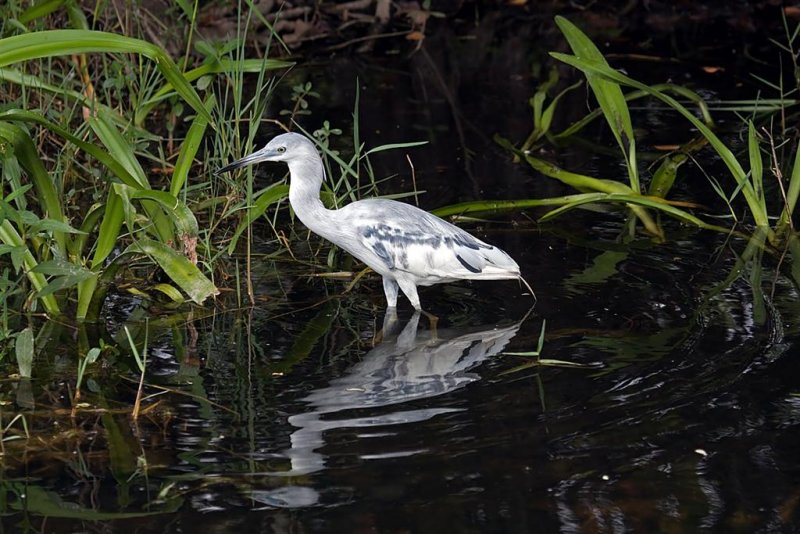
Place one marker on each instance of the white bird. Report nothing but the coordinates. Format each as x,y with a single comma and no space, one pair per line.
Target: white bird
407,246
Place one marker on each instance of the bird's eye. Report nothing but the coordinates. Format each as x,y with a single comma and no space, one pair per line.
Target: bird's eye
281,149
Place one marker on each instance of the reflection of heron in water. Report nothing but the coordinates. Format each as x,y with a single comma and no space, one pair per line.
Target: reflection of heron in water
404,367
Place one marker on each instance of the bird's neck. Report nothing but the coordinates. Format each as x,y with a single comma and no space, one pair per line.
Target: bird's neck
304,195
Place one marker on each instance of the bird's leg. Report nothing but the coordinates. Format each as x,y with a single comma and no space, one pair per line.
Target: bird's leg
390,323
409,289
390,289
409,334
434,323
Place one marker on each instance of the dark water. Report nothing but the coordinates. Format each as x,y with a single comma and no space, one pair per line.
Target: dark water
315,413
685,415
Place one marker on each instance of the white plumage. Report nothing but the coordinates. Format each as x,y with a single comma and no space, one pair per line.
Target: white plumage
407,246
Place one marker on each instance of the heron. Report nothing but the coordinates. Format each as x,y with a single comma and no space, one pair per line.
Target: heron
407,246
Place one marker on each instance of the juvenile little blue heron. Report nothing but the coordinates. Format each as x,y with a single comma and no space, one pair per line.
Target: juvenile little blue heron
407,246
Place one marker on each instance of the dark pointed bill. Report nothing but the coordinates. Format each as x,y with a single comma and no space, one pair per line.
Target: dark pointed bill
255,157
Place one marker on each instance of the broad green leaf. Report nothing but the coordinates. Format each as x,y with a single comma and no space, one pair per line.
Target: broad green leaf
66,275
119,148
664,177
64,282
179,269
110,227
60,268
182,217
52,225
170,291
92,355
578,181
23,347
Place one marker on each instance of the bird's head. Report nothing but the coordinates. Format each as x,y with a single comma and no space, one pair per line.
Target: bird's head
285,147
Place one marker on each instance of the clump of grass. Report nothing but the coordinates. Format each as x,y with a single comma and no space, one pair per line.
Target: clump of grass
748,171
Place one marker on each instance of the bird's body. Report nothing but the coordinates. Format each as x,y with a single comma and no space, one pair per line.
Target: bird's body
407,246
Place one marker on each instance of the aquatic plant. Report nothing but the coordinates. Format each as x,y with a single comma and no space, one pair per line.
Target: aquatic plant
606,83
155,219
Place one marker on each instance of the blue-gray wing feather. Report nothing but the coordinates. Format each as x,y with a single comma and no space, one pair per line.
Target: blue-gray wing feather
404,237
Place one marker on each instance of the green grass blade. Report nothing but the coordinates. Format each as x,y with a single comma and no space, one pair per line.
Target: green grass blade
722,150
27,155
222,65
119,148
500,206
268,196
10,236
631,96
26,80
109,232
393,146
608,94
122,151
95,151
792,193
756,163
578,181
51,43
189,149
641,200
39,10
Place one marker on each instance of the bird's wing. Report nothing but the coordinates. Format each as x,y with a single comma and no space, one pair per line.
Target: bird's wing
406,238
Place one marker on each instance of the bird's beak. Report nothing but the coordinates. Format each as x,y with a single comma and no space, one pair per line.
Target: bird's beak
255,157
